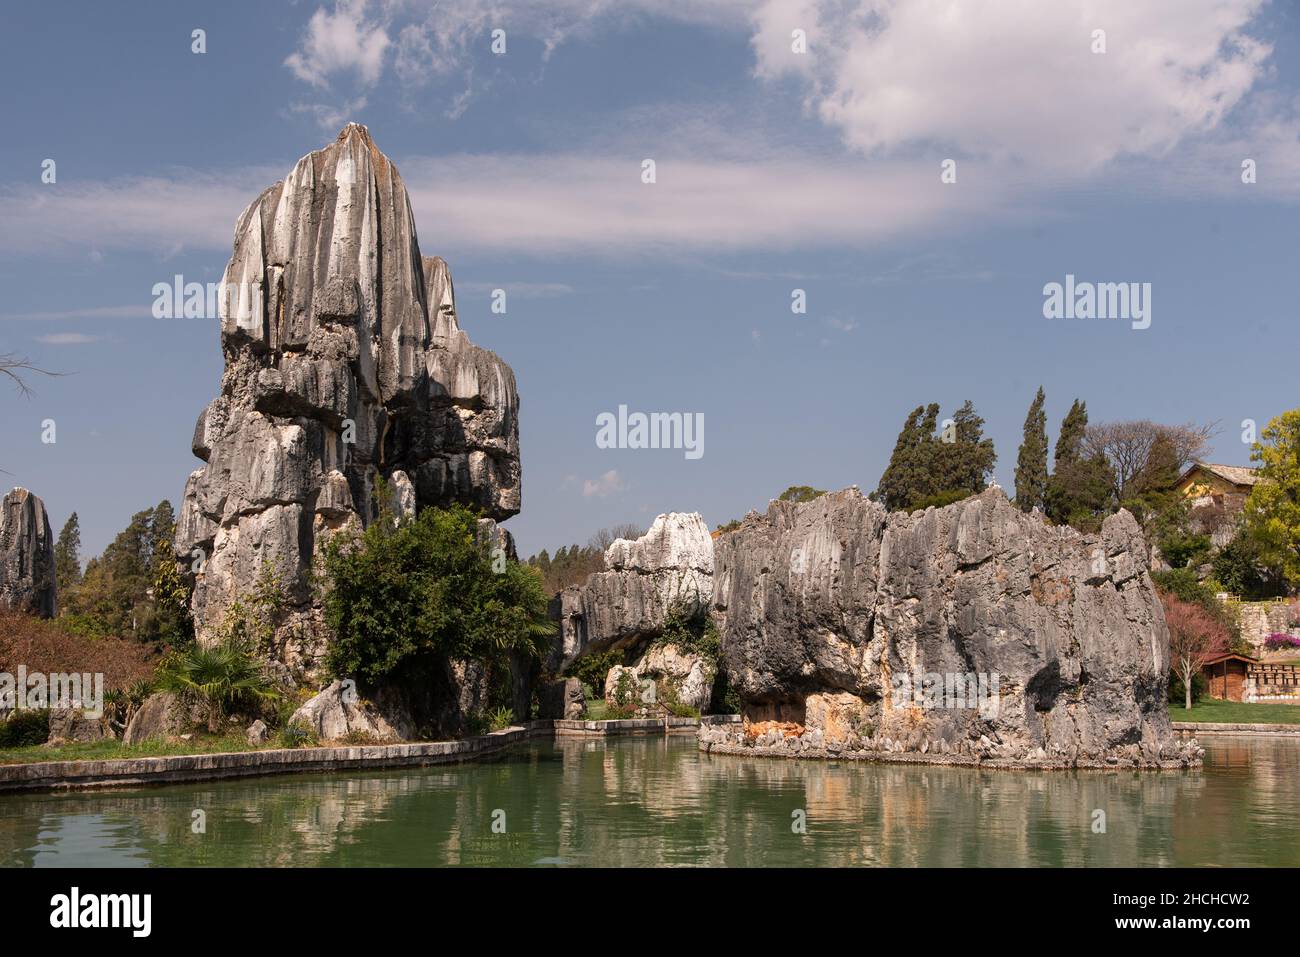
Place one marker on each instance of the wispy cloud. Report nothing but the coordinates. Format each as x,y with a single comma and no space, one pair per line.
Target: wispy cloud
93,312
516,290
68,339
605,486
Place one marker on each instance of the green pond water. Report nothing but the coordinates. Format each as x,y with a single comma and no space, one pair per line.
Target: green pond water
660,802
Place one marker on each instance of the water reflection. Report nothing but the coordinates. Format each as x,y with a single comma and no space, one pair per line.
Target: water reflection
659,802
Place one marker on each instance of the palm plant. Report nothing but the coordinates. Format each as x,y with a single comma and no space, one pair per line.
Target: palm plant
218,677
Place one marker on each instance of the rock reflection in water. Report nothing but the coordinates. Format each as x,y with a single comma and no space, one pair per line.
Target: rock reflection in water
659,802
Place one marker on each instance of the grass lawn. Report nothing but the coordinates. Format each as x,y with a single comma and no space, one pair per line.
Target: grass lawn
1236,712
104,750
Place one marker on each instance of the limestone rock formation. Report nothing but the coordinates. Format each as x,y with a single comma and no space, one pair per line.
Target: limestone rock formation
972,630
26,555
672,564
344,364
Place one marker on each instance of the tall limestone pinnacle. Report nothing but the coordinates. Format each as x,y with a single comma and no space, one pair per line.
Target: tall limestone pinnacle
344,363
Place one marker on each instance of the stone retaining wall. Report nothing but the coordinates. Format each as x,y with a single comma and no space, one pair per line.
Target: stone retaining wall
1219,728
176,769
601,729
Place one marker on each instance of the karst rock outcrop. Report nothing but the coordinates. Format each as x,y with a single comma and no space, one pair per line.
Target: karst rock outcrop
26,555
344,364
625,607
969,633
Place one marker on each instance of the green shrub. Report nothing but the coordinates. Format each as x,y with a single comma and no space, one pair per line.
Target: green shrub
25,729
405,592
592,670
499,719
298,736
1241,568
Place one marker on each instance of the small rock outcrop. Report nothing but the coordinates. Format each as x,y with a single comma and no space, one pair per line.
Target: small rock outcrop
670,565
338,713
345,365
161,715
969,633
26,555
663,665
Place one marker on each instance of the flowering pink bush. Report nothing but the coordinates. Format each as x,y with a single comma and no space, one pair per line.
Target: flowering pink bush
1278,640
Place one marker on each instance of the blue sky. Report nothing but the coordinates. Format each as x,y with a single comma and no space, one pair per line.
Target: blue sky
775,171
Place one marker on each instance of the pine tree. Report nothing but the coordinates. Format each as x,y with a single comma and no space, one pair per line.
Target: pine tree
67,557
1031,464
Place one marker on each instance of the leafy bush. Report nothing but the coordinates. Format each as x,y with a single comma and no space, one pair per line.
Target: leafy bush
694,632
405,592
298,736
25,729
1241,567
592,670
800,494
625,696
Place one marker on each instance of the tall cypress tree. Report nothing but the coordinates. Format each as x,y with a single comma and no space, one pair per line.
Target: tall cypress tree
908,477
1080,488
67,557
1031,464
1069,444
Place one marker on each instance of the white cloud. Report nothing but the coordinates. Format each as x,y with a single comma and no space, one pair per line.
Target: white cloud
329,116
341,40
93,312
603,487
516,290
67,339
159,214
1015,81
544,204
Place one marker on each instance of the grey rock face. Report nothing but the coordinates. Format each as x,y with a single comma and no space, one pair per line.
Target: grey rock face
26,555
837,616
162,715
671,564
344,364
561,699
257,732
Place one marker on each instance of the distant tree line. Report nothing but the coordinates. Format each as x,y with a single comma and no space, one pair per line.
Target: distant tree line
571,564
133,590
